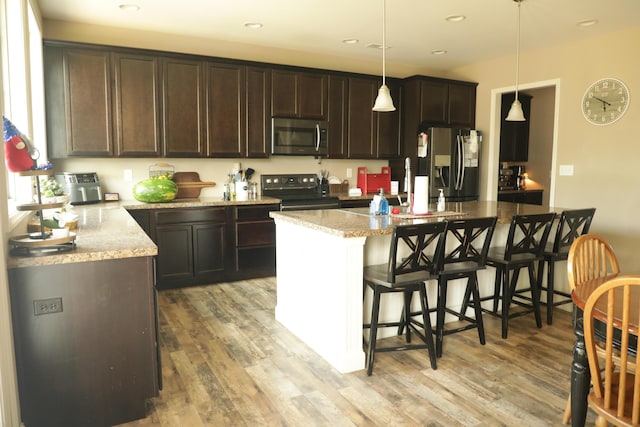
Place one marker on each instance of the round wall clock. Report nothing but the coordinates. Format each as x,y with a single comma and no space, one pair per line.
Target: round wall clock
605,101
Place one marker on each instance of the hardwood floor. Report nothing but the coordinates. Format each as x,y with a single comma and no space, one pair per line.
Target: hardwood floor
227,362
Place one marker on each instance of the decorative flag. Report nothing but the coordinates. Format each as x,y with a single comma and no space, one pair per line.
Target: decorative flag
16,151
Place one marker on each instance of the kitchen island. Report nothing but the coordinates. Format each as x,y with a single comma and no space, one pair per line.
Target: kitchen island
320,257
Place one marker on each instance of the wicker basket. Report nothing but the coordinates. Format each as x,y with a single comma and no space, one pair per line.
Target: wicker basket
342,188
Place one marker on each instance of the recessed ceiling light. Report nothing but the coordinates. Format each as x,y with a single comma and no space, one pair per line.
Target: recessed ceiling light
587,23
377,46
350,41
129,7
439,52
455,18
253,25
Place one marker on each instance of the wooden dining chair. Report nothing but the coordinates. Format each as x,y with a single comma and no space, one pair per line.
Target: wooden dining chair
591,259
615,394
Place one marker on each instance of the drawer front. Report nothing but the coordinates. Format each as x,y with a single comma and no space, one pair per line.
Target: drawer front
255,213
173,216
255,233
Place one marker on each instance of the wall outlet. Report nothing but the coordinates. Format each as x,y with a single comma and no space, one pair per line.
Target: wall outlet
566,170
349,173
128,175
47,306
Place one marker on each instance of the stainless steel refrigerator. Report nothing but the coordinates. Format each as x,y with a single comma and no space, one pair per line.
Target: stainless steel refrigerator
450,157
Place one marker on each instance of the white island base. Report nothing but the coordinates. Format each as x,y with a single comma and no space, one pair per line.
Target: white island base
314,298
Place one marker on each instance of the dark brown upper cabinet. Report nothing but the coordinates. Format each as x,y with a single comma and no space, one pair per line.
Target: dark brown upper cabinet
388,141
183,107
258,108
371,135
78,102
440,102
137,105
226,133
514,136
299,94
337,124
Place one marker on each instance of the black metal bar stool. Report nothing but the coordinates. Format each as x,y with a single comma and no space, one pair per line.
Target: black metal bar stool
415,256
469,240
572,224
526,240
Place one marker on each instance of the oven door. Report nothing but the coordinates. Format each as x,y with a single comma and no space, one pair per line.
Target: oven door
310,204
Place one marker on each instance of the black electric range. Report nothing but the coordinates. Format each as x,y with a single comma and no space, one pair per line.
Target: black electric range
298,191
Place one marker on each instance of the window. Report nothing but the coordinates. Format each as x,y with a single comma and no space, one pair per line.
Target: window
23,87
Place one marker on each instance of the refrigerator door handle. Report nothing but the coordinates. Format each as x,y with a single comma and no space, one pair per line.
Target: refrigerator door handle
456,185
462,166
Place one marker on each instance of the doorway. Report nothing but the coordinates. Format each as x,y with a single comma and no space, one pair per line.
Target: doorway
541,165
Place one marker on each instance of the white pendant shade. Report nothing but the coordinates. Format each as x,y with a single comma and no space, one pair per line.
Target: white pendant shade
515,113
384,101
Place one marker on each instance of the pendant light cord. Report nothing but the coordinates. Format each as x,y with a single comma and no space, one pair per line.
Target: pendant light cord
384,44
518,49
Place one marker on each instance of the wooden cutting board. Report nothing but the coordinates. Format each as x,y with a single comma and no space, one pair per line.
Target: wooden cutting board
189,184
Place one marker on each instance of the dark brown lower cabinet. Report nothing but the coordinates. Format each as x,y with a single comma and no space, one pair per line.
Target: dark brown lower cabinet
204,245
255,241
192,246
531,197
85,339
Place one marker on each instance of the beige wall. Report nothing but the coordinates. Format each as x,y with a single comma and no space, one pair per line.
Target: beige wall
604,158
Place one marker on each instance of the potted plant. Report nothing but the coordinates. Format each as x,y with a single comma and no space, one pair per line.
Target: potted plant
51,191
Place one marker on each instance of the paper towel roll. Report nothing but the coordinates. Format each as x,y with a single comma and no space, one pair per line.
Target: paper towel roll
421,195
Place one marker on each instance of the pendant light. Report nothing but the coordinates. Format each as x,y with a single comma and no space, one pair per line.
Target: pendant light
515,113
384,102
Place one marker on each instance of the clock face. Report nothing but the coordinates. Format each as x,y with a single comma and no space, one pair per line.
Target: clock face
605,101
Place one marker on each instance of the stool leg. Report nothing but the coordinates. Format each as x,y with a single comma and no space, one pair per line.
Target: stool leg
465,302
373,330
441,304
535,295
406,314
428,331
473,284
498,287
550,291
507,287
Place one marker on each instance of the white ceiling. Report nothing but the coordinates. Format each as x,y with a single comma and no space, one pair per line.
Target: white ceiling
414,27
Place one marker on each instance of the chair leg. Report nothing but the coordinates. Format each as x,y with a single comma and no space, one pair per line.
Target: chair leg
497,288
473,284
442,303
535,295
406,314
507,289
465,302
566,417
373,330
550,292
428,331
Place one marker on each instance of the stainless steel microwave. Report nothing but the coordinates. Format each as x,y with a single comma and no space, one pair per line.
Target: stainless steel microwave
298,137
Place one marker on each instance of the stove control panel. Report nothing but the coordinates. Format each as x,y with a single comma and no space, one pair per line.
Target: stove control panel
289,181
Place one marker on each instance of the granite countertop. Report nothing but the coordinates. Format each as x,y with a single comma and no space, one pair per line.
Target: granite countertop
196,203
357,222
105,231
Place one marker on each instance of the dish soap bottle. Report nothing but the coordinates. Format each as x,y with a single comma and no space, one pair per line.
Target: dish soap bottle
440,205
383,207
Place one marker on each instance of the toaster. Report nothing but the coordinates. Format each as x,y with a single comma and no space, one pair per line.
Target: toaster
82,188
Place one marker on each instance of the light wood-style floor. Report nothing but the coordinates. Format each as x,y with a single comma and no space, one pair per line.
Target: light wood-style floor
227,362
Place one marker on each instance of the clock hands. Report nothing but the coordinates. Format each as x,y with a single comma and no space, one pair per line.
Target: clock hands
604,103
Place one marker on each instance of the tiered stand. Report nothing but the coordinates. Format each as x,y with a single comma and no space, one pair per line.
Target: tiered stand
41,242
